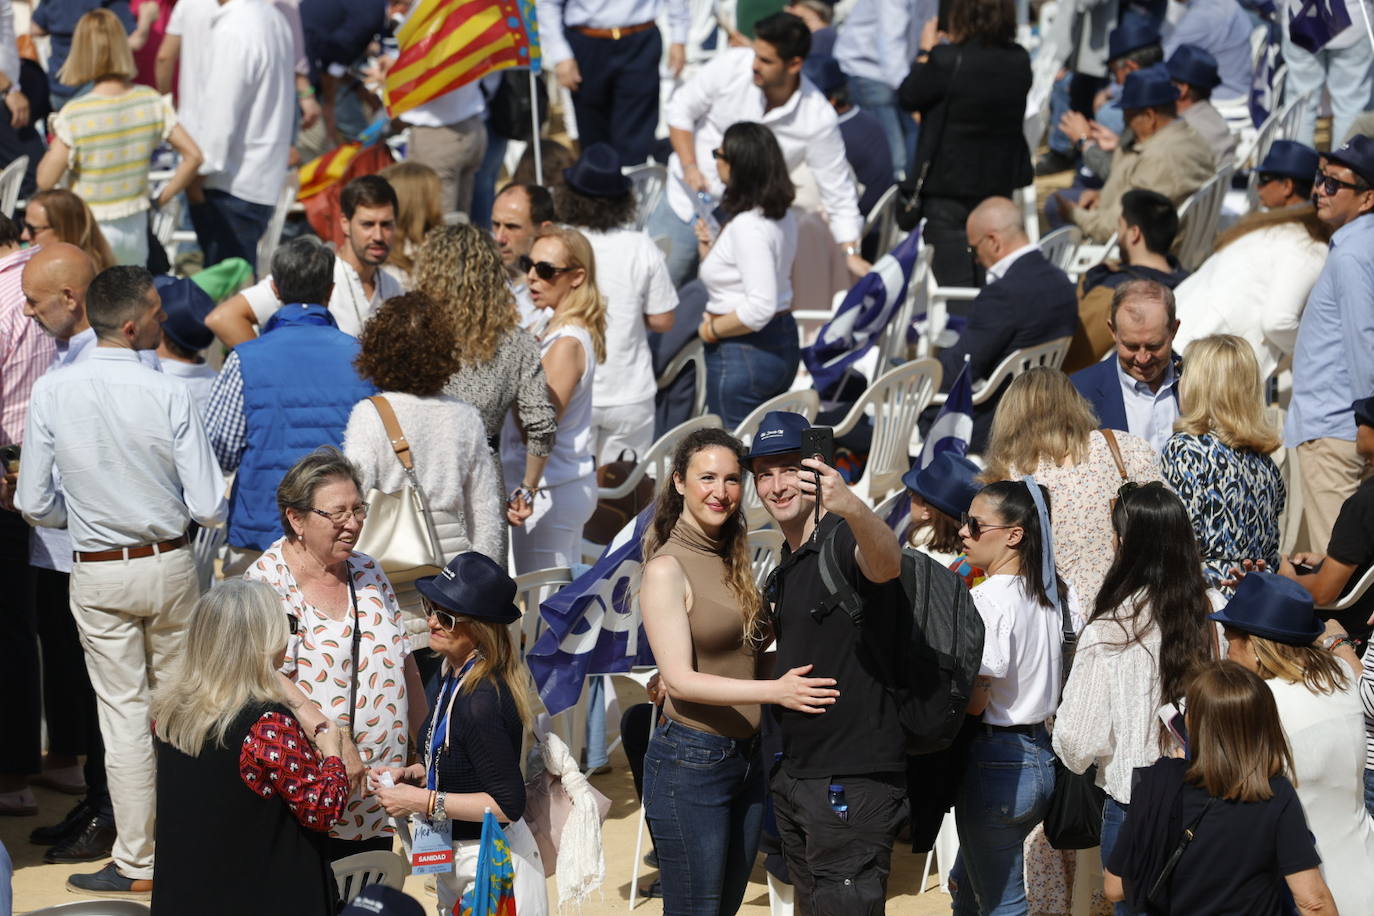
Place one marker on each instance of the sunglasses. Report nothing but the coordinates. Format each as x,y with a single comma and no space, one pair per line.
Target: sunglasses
542,269
447,619
1332,186
1268,177
719,154
976,528
34,230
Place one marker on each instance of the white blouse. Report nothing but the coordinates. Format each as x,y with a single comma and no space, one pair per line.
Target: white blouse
748,270
571,458
1021,650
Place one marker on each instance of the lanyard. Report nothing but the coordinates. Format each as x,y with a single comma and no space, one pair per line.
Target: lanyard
439,727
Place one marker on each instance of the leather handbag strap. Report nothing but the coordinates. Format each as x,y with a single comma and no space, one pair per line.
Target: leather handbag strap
1116,454
399,443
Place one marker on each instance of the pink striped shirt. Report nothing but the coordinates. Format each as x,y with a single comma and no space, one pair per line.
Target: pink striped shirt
26,350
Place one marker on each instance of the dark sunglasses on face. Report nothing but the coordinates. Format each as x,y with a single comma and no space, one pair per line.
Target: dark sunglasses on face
719,154
1268,177
542,269
976,528
447,619
1332,186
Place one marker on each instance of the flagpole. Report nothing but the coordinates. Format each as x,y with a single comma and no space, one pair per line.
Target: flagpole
1368,30
534,129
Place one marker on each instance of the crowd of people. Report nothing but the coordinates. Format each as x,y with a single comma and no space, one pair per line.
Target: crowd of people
261,521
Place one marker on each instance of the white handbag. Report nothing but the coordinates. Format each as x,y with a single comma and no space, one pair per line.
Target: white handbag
399,532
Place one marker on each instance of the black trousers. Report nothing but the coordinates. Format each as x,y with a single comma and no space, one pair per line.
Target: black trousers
617,102
839,867
1082,90
951,262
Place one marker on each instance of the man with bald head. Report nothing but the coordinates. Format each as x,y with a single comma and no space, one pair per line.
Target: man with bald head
1025,301
1138,391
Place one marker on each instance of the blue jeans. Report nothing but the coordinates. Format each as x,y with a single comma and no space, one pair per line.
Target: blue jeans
1369,790
663,223
229,227
1113,818
880,100
703,797
484,183
596,722
743,372
1005,793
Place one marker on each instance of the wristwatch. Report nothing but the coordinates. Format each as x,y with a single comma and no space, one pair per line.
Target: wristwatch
440,813
1329,643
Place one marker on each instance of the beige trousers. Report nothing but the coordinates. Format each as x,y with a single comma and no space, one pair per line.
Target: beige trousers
1331,470
132,617
455,151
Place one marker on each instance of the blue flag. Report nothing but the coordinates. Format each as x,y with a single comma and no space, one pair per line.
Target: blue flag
1263,101
953,426
1317,22
593,625
493,888
861,317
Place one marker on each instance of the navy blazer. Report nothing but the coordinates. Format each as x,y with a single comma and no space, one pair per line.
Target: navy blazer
1033,303
1101,385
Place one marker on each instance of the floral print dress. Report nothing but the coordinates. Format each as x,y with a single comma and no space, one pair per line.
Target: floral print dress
319,659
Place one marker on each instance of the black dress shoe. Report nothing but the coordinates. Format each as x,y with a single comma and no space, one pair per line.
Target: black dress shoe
64,830
1054,162
94,841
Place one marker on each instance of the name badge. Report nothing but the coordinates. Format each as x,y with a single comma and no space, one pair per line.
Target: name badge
431,846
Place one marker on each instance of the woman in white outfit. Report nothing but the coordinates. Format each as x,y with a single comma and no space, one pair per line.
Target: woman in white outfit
562,279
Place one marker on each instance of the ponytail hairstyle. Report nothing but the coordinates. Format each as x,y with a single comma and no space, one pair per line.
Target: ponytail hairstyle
1012,501
734,534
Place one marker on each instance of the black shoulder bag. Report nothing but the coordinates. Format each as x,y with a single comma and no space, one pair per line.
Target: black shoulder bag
1074,817
1158,896
910,206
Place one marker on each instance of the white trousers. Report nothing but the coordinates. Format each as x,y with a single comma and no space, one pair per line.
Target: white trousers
623,428
132,617
552,535
128,238
531,891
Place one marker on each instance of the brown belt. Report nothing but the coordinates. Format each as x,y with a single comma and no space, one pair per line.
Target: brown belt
613,34
132,553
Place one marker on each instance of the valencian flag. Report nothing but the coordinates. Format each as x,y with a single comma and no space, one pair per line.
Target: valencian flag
493,887
323,172
448,43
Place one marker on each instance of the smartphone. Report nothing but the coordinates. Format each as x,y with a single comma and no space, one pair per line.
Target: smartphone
1303,569
942,15
1173,720
819,442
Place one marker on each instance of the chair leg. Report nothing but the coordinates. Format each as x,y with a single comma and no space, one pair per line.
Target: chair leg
639,832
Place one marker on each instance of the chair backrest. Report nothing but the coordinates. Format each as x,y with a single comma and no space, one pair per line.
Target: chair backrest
883,220
1250,159
531,590
95,908
1059,246
694,353
896,400
1050,353
893,347
765,544
1037,115
1198,219
1088,255
805,402
267,246
657,462
165,222
1356,593
1289,118
353,873
11,177
205,549
649,181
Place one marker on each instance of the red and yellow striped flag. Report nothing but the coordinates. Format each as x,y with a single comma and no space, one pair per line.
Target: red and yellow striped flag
447,43
322,171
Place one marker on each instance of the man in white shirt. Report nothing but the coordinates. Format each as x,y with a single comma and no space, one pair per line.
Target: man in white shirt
245,131
136,469
368,206
766,85
449,134
518,212
607,53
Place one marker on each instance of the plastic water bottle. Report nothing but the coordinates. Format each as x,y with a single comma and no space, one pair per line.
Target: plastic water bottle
706,206
838,803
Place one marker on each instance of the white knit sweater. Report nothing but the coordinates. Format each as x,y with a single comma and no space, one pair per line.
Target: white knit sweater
448,444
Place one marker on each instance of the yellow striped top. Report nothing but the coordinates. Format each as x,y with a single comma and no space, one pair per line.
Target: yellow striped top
111,140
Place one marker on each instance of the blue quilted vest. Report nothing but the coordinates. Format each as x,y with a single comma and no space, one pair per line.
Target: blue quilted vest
299,386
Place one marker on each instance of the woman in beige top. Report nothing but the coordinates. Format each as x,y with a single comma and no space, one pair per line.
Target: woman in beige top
703,783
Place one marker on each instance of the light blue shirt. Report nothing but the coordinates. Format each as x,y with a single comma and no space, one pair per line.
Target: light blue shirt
555,16
1149,414
880,38
1333,360
136,467
1223,28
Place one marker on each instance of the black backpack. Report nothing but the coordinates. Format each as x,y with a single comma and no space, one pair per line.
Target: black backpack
938,650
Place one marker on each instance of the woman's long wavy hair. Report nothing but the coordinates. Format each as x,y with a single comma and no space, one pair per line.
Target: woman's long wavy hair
734,534
1012,501
1041,417
499,663
460,268
584,305
1316,669
229,661
1156,580
75,224
1223,394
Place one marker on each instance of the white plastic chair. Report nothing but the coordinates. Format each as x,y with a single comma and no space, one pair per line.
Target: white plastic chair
1088,254
1356,593
893,349
896,400
95,908
205,549
1050,353
165,222
531,590
649,181
657,462
694,353
353,873
267,245
765,545
1198,219
1059,246
805,402
883,219
11,177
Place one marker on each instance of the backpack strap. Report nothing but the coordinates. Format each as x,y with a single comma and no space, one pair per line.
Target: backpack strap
839,592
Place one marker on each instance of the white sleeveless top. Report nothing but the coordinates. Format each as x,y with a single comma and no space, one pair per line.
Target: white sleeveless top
572,444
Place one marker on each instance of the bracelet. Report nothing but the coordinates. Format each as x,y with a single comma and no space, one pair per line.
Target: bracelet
429,809
711,326
306,93
1330,643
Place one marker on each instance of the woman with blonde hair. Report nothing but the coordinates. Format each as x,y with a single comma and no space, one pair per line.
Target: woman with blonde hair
60,216
265,790
707,626
499,372
1218,457
562,279
106,137
417,190
471,746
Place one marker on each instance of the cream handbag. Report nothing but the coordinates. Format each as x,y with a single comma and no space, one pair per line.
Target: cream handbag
399,532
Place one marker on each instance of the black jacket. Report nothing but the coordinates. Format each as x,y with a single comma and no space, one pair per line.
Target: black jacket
972,119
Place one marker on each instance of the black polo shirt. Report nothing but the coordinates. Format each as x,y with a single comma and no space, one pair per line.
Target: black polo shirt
860,733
